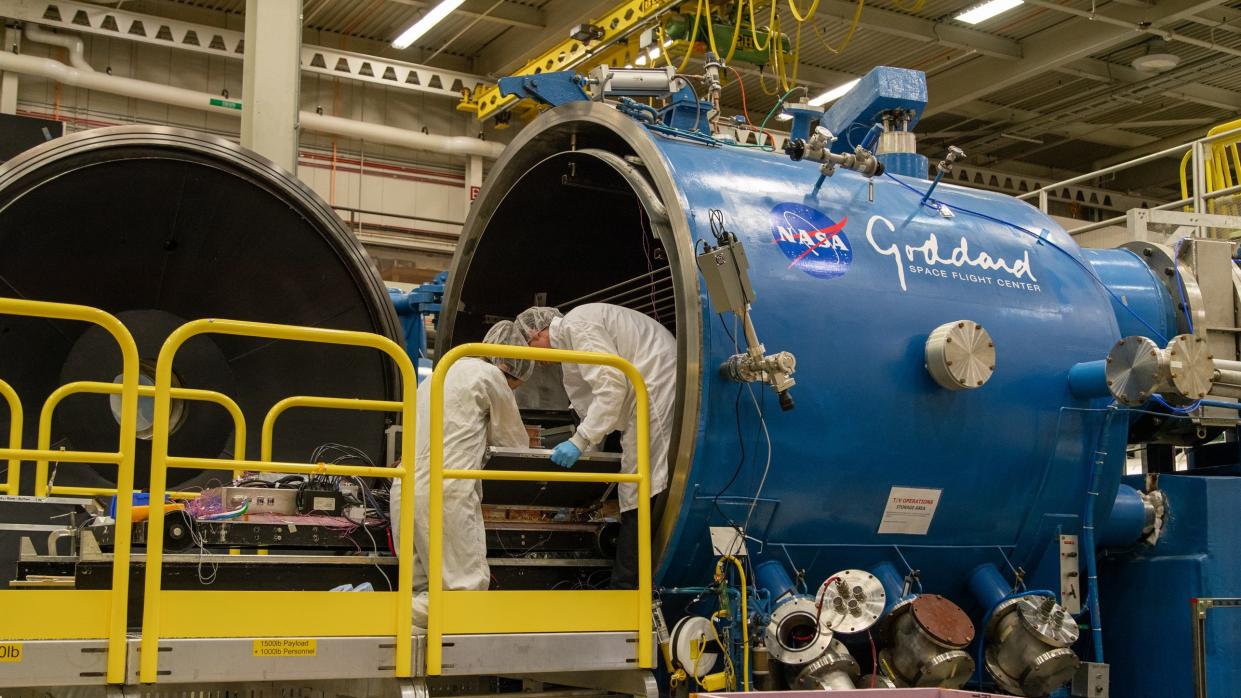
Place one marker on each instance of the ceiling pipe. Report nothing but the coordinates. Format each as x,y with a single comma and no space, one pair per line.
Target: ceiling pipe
72,44
88,78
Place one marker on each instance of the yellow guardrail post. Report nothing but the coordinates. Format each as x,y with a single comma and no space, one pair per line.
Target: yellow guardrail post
435,562
161,461
329,403
53,401
13,482
123,458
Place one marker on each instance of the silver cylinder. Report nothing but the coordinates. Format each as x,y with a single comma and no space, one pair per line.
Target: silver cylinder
928,637
1028,643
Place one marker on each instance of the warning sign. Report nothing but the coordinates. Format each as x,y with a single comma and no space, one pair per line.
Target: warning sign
285,648
909,510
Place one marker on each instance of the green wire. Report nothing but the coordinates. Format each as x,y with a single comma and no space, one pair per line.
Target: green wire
776,108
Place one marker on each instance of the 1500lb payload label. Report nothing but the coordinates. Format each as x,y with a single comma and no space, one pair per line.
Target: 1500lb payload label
285,648
909,510
10,652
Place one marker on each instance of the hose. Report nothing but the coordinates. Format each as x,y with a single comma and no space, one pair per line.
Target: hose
1097,459
745,617
814,7
776,108
689,40
844,43
770,31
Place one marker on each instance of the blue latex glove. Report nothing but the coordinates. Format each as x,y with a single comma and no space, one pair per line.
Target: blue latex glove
566,454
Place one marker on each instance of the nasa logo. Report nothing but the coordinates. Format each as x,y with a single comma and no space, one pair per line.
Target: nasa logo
813,242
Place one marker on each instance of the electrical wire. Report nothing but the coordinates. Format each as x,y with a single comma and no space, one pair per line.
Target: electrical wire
745,617
776,108
771,35
853,25
797,15
745,109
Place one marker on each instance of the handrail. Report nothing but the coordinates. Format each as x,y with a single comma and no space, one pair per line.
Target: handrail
435,581
161,462
100,388
329,403
118,597
13,482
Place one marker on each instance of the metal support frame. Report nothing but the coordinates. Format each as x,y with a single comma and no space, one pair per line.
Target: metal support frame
569,54
1199,609
225,43
194,614
1139,221
537,612
8,79
327,403
271,88
63,614
42,487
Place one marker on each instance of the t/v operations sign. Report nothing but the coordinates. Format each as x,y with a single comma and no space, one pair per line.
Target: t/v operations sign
909,510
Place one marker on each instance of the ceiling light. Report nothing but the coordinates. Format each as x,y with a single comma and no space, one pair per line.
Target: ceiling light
784,116
1158,58
641,60
987,10
423,25
653,53
833,94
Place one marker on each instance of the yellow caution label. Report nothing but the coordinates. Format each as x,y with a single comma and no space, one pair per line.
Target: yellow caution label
10,652
285,648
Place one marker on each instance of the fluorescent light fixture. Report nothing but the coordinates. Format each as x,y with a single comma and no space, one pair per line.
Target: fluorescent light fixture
784,116
653,53
987,10
641,60
834,93
667,43
423,25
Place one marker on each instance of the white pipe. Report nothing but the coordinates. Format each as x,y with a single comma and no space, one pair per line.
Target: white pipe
415,140
202,101
73,44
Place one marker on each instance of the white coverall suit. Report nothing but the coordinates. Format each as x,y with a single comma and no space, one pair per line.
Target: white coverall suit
603,397
479,411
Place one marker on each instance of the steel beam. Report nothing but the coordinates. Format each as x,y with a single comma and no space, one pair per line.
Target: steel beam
271,89
1050,49
1103,71
215,41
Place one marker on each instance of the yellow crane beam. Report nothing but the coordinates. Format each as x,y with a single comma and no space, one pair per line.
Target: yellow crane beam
486,102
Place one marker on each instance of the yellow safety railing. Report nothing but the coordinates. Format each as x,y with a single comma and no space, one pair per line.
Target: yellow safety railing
1222,165
15,438
41,484
197,613
63,614
484,612
327,403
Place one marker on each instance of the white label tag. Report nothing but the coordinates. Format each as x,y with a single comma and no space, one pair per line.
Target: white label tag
324,503
909,510
726,540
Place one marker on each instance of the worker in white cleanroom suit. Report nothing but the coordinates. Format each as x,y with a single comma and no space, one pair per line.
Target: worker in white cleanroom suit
605,401
479,411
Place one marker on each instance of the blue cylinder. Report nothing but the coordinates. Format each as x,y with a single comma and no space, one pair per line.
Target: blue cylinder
877,454
989,586
1088,380
1127,521
1142,304
774,578
893,583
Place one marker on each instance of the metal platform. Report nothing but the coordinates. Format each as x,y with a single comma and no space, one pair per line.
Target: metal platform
571,656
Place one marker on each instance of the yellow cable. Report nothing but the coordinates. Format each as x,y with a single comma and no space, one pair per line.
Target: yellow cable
797,16
754,27
736,33
844,43
745,617
693,33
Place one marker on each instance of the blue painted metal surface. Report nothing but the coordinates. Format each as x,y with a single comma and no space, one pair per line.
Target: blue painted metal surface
883,89
555,88
1146,593
804,117
854,288
1089,379
989,586
905,164
413,308
1136,286
1124,527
